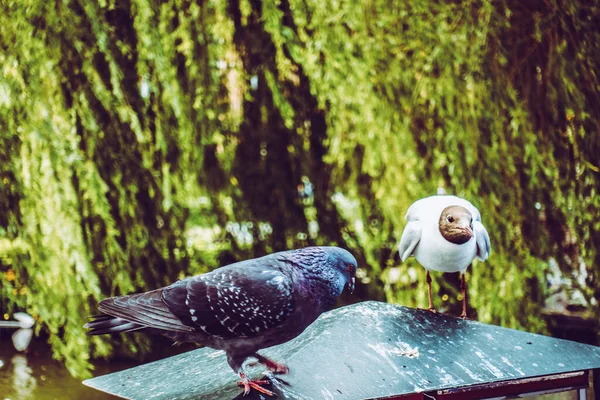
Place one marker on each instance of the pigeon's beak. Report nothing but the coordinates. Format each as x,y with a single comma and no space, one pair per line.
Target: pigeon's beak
350,284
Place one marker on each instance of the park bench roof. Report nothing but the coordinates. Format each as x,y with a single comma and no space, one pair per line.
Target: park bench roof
367,350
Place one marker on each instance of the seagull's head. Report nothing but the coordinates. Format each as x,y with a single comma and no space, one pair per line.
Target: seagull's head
456,224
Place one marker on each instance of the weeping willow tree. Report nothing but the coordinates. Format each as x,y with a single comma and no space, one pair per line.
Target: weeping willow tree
143,141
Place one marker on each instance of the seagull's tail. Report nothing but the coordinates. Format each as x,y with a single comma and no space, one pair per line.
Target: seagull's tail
103,324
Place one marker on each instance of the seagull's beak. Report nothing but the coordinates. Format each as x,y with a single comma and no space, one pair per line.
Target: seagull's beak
350,284
466,228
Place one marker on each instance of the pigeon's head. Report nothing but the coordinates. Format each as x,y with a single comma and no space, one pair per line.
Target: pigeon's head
344,263
456,224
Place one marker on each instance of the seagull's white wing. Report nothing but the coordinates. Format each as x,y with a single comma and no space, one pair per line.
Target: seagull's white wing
410,239
483,241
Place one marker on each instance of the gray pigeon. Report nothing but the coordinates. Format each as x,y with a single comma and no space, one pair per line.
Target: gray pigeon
444,233
240,308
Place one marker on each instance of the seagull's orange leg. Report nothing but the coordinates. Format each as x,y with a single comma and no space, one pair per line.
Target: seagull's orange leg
463,290
429,292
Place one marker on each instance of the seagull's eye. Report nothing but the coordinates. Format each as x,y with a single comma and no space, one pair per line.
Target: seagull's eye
450,218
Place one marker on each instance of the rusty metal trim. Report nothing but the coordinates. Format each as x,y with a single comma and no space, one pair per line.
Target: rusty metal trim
546,384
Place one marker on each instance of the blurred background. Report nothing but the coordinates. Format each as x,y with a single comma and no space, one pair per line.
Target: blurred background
143,141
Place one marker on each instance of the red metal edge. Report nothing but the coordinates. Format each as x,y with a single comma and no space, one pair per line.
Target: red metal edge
410,396
554,383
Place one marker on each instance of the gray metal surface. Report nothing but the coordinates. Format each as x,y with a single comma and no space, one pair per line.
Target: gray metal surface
367,350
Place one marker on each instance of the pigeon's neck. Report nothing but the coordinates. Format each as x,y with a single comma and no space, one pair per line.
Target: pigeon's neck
323,286
320,283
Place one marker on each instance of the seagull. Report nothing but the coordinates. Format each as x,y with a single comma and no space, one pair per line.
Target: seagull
240,308
445,234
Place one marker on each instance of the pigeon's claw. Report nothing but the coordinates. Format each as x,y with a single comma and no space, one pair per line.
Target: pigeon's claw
249,384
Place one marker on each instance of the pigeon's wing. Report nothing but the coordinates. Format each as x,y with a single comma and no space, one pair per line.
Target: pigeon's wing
232,302
483,241
146,309
410,239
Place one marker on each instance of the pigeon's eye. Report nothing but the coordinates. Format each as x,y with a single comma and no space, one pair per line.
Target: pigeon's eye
450,218
349,267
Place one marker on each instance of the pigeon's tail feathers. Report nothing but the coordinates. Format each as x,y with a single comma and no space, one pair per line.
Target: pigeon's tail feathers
145,309
103,324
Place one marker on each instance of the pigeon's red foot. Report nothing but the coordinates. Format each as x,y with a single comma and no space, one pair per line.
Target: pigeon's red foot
276,368
433,310
463,316
271,365
254,384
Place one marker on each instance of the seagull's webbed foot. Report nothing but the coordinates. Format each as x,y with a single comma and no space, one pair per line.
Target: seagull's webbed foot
249,384
271,365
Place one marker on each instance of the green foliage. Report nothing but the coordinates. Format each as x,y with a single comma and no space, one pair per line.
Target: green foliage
142,141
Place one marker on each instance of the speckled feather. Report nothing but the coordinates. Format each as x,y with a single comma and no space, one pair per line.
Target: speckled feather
232,302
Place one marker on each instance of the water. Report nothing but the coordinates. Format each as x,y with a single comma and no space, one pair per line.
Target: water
34,375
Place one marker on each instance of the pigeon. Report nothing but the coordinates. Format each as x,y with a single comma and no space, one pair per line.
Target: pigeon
239,308
445,234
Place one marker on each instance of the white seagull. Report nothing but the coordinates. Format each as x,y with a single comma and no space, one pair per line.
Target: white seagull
445,234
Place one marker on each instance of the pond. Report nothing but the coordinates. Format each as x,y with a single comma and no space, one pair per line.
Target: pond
34,375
